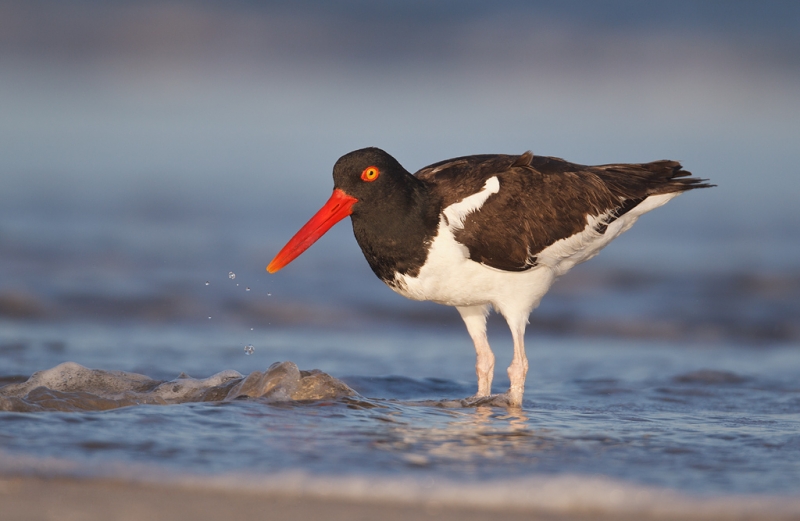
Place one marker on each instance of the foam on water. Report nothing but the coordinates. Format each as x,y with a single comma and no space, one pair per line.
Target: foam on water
72,387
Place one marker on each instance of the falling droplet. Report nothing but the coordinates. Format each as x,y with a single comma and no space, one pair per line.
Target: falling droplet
207,283
249,350
247,289
251,329
209,318
269,294
231,275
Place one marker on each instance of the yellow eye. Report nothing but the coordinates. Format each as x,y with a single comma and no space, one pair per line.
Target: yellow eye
370,173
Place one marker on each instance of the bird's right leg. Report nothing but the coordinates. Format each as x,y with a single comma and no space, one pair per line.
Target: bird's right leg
475,319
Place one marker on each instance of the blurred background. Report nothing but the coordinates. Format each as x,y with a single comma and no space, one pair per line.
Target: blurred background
150,147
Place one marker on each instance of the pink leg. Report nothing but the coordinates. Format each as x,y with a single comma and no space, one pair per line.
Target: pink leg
475,319
519,364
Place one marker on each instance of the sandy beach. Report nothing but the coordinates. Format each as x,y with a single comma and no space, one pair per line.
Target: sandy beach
31,498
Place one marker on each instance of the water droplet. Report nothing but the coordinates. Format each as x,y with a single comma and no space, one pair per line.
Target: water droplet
251,329
249,350
209,318
269,294
207,283
247,289
231,275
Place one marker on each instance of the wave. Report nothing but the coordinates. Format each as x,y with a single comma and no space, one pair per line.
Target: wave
73,387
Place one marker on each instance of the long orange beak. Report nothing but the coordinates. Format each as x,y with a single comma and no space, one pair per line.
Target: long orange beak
337,208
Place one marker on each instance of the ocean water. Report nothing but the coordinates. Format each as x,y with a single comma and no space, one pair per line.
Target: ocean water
694,418
699,420
663,390
149,152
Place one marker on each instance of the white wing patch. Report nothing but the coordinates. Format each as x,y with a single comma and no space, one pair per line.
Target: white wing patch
455,214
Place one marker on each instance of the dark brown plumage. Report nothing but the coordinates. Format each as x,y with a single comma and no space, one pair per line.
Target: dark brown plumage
543,199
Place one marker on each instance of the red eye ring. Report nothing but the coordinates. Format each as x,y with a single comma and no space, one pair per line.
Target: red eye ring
370,174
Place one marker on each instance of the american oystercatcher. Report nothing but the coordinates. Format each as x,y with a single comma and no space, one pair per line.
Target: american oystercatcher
485,231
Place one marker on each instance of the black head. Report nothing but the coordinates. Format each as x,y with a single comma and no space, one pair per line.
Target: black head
388,207
371,176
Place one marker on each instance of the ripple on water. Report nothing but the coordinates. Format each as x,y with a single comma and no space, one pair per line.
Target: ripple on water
284,418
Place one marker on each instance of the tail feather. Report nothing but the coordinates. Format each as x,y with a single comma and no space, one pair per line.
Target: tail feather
634,181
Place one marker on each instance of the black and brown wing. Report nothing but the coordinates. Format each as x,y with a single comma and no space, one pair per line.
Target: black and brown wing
544,199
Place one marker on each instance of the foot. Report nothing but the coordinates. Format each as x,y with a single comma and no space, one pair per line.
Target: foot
514,396
477,399
506,399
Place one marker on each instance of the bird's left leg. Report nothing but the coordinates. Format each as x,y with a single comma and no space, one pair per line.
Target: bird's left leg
475,319
519,363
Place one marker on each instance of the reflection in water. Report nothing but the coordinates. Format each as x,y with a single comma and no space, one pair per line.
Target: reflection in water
432,436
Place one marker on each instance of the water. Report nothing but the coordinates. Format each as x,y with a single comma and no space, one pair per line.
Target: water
147,185
711,420
642,381
703,418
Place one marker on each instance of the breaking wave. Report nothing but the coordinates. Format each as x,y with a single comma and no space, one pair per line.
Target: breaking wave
73,387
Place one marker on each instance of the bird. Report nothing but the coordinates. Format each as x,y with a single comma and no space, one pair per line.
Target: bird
486,232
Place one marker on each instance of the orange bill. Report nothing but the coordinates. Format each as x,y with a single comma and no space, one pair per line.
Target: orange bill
337,208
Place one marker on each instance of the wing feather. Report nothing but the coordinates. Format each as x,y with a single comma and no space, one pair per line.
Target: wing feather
543,199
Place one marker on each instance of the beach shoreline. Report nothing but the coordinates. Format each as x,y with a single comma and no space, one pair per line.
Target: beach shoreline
27,498
30,498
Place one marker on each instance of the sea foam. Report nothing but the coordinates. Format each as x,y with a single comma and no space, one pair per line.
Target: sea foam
73,387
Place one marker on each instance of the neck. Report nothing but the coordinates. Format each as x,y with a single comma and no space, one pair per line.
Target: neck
395,233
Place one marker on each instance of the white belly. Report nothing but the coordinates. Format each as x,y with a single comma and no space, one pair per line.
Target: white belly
449,277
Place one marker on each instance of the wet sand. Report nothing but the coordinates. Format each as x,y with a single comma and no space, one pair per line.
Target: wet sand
30,498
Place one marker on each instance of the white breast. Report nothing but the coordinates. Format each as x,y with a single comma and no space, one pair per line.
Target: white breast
450,277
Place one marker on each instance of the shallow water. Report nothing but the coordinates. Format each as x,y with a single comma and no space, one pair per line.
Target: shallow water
696,418
677,377
680,377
